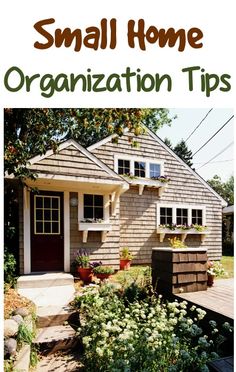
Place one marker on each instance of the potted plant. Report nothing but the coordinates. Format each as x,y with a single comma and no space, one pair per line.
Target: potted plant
125,258
103,272
84,268
214,269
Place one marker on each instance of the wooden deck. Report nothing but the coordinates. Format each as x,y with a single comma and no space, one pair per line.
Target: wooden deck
219,298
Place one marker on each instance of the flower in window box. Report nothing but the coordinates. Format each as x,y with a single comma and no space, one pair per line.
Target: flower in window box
163,179
199,228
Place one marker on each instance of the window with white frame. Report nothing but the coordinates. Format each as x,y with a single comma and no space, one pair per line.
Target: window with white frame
197,217
123,166
139,167
154,170
93,206
166,216
181,214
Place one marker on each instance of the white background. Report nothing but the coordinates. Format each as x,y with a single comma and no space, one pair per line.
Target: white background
18,35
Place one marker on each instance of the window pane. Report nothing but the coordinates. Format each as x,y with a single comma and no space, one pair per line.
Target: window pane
182,216
39,214
98,212
88,199
197,216
88,212
155,170
39,202
162,220
123,166
169,220
199,222
178,221
47,215
162,211
184,220
98,200
55,215
39,227
47,202
169,211
47,227
178,212
55,203
139,169
165,216
55,227
185,212
194,220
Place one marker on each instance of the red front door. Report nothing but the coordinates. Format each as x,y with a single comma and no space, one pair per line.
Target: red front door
47,231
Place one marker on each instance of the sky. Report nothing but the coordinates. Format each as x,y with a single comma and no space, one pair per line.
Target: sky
187,120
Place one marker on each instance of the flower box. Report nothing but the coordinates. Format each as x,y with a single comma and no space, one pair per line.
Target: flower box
179,270
148,182
183,232
104,227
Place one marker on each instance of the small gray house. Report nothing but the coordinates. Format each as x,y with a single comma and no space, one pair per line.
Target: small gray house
109,196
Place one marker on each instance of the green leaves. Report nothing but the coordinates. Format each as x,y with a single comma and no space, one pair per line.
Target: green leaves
30,132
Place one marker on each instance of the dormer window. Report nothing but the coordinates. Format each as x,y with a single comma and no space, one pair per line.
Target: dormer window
123,166
139,169
155,170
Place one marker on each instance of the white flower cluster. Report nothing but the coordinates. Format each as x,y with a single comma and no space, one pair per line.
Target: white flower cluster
148,334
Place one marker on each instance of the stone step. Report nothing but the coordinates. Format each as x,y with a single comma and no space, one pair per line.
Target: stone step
52,339
44,280
55,315
47,296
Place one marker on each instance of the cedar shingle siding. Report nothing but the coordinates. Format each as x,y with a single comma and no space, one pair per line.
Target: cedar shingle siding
135,222
138,213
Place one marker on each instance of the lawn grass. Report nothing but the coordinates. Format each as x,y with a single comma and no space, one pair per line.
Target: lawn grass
135,273
228,264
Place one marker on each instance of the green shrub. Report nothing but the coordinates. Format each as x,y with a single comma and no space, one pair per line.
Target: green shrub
143,335
103,270
24,335
9,267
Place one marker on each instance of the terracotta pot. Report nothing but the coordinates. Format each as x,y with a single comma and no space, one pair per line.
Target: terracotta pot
210,280
103,276
85,274
125,264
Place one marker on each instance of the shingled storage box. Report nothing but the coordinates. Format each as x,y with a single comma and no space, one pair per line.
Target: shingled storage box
179,270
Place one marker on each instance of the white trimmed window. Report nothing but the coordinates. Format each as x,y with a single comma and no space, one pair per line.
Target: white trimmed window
154,170
166,216
123,166
179,214
93,206
139,167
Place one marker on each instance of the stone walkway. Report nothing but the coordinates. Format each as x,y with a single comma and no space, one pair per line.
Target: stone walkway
59,362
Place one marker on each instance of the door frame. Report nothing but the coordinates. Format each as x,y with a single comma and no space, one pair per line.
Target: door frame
27,230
